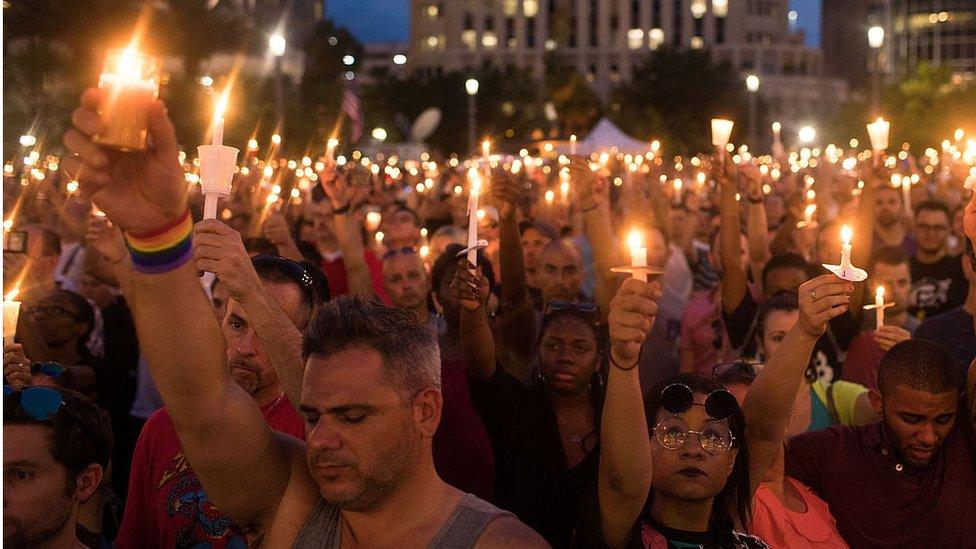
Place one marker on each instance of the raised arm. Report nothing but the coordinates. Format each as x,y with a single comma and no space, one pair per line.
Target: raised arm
222,430
594,204
348,232
756,228
734,281
276,230
770,398
969,226
625,448
219,249
477,344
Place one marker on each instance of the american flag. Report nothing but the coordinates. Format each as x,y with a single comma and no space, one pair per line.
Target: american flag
353,108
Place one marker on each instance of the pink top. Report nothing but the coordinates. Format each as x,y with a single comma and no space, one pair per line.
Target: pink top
703,331
781,527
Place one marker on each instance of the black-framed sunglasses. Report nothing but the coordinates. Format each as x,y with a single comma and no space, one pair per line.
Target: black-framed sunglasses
50,369
40,403
406,250
678,398
750,369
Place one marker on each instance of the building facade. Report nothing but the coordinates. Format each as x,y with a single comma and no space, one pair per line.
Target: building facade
939,32
605,39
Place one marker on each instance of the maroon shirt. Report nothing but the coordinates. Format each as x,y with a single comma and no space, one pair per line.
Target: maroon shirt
880,502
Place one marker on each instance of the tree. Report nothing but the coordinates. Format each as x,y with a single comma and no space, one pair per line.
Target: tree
674,94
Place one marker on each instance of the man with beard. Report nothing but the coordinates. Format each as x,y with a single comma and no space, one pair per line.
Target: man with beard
167,506
56,449
370,396
890,227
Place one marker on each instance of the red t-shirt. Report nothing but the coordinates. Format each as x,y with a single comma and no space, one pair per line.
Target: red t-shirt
863,358
167,506
335,272
880,502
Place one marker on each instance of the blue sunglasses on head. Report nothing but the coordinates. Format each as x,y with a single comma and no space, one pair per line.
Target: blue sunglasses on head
40,403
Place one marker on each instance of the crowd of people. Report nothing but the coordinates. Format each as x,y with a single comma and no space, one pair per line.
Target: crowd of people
332,370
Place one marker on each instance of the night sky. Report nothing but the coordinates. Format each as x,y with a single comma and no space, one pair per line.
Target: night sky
388,20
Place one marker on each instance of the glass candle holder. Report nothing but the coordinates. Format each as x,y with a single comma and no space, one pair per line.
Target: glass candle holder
131,83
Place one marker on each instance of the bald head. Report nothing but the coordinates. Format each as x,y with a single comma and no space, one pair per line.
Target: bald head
560,273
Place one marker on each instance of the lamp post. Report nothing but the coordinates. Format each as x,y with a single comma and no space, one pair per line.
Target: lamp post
277,44
752,84
471,86
876,40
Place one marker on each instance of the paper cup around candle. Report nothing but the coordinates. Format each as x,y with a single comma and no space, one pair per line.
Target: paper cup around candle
721,132
131,83
217,165
878,133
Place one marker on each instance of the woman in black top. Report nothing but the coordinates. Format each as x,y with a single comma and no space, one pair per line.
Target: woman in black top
544,436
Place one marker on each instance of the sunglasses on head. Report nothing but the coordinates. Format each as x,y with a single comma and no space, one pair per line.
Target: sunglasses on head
40,403
678,398
749,369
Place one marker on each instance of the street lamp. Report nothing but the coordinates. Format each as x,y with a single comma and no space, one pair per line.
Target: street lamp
277,44
471,86
752,84
876,40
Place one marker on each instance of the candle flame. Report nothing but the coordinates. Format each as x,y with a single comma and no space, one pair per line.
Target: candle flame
221,106
846,234
474,180
272,198
677,184
810,210
8,224
550,196
11,295
635,239
879,293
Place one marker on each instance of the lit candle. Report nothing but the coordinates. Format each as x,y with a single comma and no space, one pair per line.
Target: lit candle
217,163
906,192
638,254
808,214
564,185
11,314
677,191
845,247
879,305
486,159
373,219
473,189
550,197
330,147
878,133
572,144
131,83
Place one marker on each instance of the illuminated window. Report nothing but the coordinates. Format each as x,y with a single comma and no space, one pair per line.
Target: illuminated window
550,44
509,7
697,43
489,40
530,8
655,37
432,42
635,38
433,11
698,8
720,7
470,39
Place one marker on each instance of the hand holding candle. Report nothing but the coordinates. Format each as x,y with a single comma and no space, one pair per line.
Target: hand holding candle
638,254
878,133
846,270
721,132
879,306
131,82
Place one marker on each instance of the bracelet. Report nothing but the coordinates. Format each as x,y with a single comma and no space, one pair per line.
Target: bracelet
343,210
755,200
162,249
619,367
590,209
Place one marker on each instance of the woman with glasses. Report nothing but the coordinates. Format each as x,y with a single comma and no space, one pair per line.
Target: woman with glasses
687,482
544,435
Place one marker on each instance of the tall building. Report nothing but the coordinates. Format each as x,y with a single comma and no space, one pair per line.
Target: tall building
844,27
939,32
605,39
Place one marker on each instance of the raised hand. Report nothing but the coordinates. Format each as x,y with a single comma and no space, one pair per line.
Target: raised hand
336,186
470,287
505,193
632,314
219,249
822,299
106,239
888,336
16,366
590,190
138,191
750,176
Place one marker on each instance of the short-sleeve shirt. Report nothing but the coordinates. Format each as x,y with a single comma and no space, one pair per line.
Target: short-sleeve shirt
879,501
937,287
703,332
167,506
338,277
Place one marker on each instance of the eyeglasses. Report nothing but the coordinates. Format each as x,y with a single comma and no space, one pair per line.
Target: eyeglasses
50,369
678,398
673,433
406,250
51,310
40,403
750,369
574,306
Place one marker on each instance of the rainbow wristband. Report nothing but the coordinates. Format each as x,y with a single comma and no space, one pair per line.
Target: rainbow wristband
162,249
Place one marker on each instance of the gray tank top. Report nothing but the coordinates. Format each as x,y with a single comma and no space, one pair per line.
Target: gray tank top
323,526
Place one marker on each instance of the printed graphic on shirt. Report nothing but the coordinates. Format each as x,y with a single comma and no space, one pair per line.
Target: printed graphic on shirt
205,526
930,293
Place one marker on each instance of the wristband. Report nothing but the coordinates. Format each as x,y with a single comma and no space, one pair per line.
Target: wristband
343,210
619,367
162,249
589,209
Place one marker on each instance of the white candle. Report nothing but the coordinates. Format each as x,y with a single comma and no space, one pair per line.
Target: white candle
373,219
330,147
677,191
808,213
572,144
218,124
777,127
906,191
879,307
550,197
638,254
564,185
11,314
474,188
845,247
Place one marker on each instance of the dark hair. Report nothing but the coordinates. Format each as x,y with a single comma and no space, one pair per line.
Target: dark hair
789,260
889,255
784,301
309,279
409,350
80,431
260,246
920,364
934,206
403,208
541,227
84,313
592,321
734,503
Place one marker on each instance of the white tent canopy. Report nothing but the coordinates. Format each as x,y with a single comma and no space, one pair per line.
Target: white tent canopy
606,135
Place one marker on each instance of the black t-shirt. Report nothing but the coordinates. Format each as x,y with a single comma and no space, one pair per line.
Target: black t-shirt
954,331
937,288
828,354
531,479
